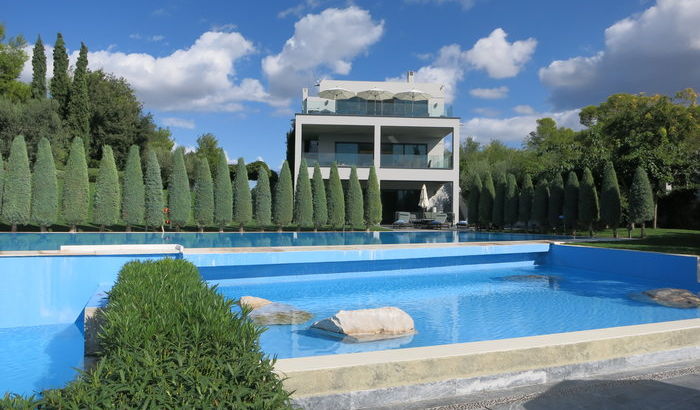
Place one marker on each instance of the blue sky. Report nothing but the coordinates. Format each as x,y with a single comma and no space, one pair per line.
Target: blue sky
236,68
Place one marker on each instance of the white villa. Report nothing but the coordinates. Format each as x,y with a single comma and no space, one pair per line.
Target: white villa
404,129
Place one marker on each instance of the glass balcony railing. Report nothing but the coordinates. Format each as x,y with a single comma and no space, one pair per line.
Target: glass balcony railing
416,161
343,160
390,108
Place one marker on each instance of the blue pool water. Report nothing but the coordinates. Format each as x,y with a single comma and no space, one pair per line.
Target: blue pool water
53,241
456,304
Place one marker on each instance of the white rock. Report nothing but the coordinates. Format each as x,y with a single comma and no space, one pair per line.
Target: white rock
279,314
368,324
252,302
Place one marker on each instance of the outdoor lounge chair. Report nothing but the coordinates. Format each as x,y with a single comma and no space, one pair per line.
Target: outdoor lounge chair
439,221
403,220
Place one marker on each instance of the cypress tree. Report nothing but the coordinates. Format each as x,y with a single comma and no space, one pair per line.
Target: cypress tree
107,199
555,208
610,209
179,197
60,83
527,194
39,70
336,199
540,203
133,193
510,201
473,199
44,187
263,199
303,203
571,202
373,206
320,201
242,201
2,179
17,195
78,112
76,186
354,209
223,194
203,194
641,199
153,192
284,198
588,207
499,200
486,198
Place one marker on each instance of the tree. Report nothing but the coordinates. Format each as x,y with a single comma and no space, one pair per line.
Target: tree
133,192
12,59
16,207
555,148
354,209
242,201
78,110
588,206
44,187
60,82
153,192
486,198
75,186
179,197
208,147
510,201
373,207
336,199
223,193
499,200
527,194
2,178
39,70
284,198
555,208
203,194
641,199
107,199
571,202
611,208
473,199
303,202
263,199
540,203
318,188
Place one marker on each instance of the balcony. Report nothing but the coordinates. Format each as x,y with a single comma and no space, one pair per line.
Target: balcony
342,159
417,161
388,108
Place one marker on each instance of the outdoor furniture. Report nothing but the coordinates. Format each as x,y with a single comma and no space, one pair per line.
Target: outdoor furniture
439,221
403,220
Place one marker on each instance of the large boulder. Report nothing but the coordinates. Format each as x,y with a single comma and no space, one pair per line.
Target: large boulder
252,302
367,324
677,298
279,314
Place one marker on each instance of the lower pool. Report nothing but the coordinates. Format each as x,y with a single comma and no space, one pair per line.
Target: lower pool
457,304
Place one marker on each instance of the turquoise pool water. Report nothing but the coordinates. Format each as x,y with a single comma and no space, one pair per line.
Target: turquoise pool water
456,304
53,241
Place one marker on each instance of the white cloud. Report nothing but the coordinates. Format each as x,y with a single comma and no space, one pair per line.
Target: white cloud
657,51
135,36
524,109
178,122
156,38
223,27
515,129
489,93
322,44
487,112
299,9
466,4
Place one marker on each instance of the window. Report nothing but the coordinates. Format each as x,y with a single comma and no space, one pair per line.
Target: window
405,149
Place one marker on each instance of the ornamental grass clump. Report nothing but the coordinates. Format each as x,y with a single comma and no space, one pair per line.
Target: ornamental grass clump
168,340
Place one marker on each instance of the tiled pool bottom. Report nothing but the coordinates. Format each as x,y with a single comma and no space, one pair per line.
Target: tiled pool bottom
457,304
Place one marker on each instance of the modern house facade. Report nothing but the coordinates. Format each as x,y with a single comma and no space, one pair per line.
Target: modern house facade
404,129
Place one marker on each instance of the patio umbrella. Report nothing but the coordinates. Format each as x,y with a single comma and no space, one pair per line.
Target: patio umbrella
376,94
424,202
336,94
412,96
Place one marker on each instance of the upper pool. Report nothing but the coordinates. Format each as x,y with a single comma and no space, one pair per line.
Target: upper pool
53,241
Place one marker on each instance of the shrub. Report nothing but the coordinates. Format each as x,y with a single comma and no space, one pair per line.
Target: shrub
107,200
510,202
179,197
336,200
44,187
354,209
284,198
263,198
373,206
641,208
527,194
203,194
555,207
320,201
242,201
16,207
170,341
486,198
153,191
76,192
499,183
473,199
223,193
571,201
588,207
540,202
611,209
303,202
133,192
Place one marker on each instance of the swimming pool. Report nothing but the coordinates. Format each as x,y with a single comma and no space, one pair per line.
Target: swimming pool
53,241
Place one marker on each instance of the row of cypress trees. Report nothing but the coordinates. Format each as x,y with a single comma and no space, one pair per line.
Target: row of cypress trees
499,202
37,197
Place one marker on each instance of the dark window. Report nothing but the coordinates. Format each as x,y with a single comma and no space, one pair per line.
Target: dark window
405,149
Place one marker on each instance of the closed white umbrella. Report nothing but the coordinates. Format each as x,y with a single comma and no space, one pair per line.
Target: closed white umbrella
412,96
336,94
424,202
376,94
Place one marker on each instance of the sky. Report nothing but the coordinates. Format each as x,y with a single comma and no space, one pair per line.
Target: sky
236,68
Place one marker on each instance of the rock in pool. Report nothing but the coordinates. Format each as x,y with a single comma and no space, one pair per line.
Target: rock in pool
252,302
367,324
677,298
279,314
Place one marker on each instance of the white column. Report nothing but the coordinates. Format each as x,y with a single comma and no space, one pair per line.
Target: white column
455,170
297,149
377,147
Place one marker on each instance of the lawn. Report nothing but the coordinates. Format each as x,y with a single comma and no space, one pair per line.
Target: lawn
681,241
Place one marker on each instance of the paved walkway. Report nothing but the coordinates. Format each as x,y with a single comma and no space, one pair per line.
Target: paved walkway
674,387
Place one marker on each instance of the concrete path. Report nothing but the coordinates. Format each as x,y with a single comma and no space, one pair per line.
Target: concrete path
674,387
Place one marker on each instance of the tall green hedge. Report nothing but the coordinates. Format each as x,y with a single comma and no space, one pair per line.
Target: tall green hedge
354,208
168,340
571,201
2,178
284,198
336,199
76,193
179,197
473,199
641,199
242,200
588,206
44,187
611,209
203,194
153,216
499,183
17,196
303,202
107,204
510,201
555,208
373,200
263,199
540,203
527,194
133,190
223,193
320,201
486,198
